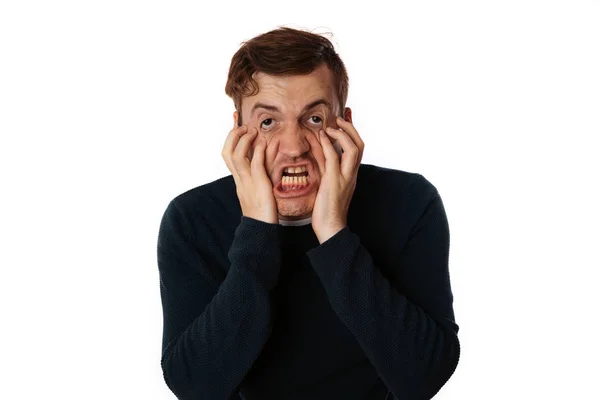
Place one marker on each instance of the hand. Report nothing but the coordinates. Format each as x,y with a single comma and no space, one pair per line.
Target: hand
253,186
338,181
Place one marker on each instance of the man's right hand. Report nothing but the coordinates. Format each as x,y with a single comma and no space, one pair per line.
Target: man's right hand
253,186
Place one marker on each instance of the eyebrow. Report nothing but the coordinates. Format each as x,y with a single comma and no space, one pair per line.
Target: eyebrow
306,108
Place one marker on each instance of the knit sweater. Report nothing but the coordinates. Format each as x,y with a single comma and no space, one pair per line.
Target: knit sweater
254,310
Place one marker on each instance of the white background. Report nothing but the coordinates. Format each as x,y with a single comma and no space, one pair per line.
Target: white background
109,109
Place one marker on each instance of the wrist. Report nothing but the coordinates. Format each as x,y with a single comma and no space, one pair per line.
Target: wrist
326,233
267,217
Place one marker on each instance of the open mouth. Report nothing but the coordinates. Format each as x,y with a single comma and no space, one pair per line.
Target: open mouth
294,178
296,181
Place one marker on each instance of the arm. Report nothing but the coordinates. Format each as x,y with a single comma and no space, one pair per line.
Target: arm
213,333
410,335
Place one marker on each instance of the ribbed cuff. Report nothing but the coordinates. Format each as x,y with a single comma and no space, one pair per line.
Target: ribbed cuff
333,257
256,247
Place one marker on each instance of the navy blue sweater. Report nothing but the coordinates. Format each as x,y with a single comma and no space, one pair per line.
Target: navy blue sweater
264,311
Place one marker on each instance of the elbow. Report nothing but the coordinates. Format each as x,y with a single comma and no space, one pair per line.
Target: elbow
452,355
172,378
189,383
439,373
179,380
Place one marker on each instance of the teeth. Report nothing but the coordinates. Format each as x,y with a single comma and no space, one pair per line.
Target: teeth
296,170
293,182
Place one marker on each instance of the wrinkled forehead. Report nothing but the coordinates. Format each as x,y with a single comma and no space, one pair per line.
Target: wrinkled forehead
292,93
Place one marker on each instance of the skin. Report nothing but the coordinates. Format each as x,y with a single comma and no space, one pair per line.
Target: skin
269,140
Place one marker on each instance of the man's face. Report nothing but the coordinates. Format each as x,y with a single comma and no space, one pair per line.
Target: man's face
289,111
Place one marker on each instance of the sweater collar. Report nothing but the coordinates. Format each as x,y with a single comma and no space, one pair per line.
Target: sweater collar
299,222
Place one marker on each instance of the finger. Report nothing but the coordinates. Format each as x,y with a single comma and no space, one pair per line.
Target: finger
352,132
232,140
350,156
332,159
240,154
227,152
317,150
257,164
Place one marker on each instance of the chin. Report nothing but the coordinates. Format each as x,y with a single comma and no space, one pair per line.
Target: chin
295,208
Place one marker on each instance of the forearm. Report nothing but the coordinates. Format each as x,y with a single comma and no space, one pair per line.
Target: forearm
414,353
212,356
213,332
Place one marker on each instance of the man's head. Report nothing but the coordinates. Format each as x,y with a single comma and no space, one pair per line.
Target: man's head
289,84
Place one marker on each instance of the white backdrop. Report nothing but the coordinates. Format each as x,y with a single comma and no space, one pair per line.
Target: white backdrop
109,109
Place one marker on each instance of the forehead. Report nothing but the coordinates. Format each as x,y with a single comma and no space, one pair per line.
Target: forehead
293,92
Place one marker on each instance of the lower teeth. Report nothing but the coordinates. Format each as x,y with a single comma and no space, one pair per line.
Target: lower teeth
285,188
294,183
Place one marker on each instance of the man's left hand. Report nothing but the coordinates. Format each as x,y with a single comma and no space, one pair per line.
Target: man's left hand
338,181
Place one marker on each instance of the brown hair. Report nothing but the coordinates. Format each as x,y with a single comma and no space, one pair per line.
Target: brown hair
283,51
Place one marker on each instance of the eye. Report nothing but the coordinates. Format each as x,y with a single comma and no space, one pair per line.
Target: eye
318,120
266,123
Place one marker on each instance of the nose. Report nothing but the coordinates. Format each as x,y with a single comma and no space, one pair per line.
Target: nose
292,141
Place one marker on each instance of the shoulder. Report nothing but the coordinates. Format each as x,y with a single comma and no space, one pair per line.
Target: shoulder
209,195
378,184
212,203
201,222
390,199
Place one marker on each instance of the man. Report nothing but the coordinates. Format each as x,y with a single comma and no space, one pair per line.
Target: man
304,274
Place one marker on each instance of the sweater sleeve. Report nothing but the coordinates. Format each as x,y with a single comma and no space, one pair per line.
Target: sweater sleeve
411,340
213,331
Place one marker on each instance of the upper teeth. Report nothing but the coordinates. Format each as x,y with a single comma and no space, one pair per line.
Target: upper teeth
296,170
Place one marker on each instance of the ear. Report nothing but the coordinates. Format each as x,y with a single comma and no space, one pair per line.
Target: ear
235,119
348,114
